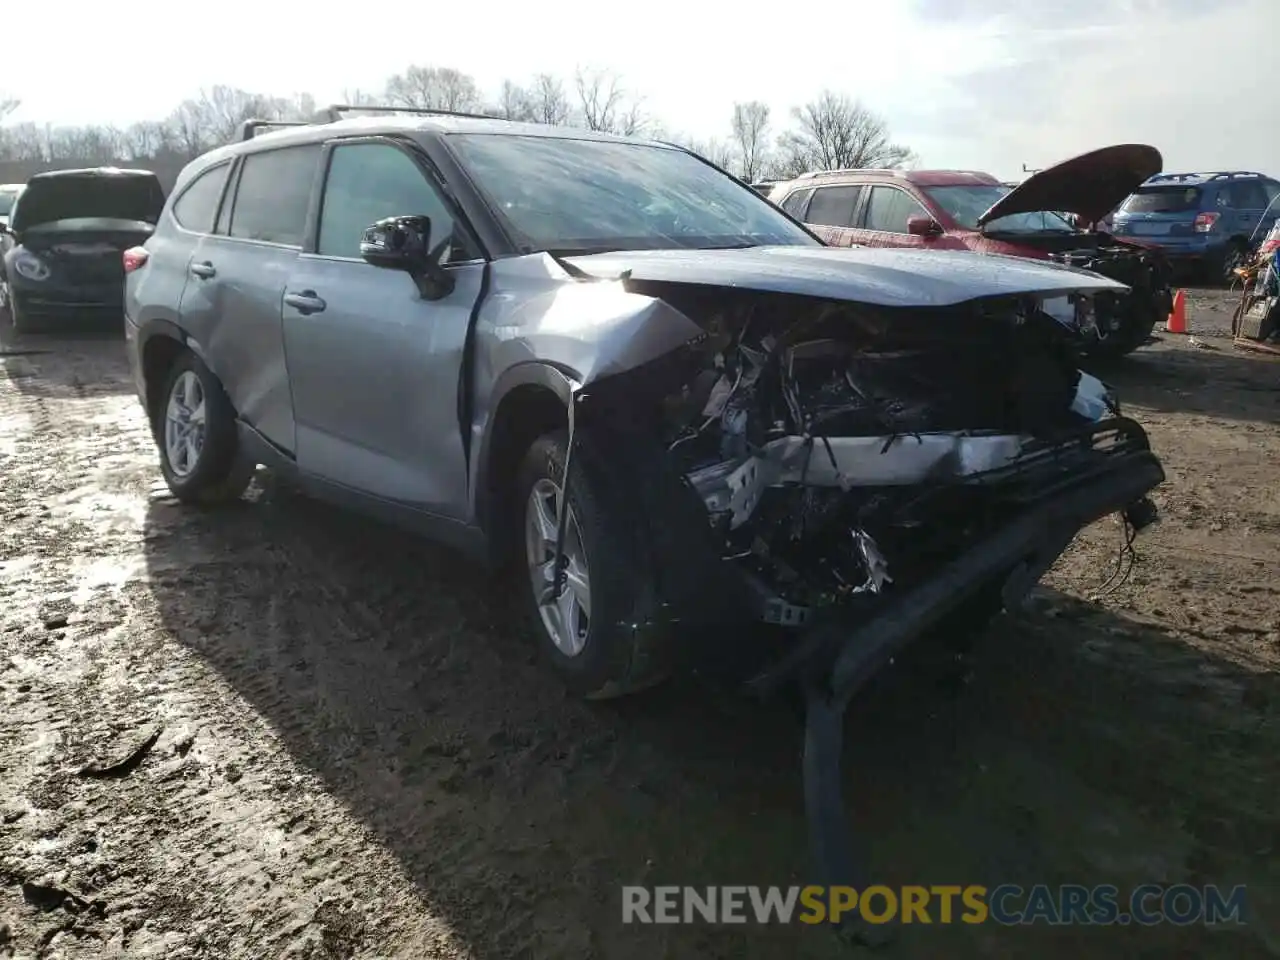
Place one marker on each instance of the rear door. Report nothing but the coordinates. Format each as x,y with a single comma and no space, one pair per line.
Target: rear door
831,213
1249,202
156,292
884,218
236,281
374,367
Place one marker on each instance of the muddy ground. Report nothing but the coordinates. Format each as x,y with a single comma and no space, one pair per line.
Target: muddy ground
346,751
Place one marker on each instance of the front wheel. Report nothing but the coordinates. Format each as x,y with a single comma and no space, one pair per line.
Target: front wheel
592,634
19,316
195,429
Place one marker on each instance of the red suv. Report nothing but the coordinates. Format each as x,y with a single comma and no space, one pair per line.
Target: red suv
1038,219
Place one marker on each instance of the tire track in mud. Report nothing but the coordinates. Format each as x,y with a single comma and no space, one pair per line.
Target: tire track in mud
210,847
358,759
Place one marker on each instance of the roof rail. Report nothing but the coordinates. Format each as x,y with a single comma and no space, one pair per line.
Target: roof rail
249,129
823,173
339,111
1204,175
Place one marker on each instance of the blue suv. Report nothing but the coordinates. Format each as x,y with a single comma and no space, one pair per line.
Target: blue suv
1210,220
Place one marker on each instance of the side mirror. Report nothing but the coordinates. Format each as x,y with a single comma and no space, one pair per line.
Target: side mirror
919,226
404,243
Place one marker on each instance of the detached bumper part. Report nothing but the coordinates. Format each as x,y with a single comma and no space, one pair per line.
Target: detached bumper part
833,660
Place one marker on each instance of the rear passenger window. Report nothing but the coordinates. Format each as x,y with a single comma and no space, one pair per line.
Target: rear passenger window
888,209
198,205
1249,195
833,206
273,193
368,182
795,203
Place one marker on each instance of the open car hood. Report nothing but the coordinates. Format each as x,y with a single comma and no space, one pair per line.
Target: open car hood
1090,185
874,275
102,192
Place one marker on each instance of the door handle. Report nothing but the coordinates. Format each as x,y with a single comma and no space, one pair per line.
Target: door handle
306,302
203,269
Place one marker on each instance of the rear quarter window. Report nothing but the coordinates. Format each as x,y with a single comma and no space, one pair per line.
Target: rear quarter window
197,205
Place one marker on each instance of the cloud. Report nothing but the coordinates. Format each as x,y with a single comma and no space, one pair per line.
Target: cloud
1196,80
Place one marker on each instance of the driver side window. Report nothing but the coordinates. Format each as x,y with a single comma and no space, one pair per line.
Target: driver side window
367,182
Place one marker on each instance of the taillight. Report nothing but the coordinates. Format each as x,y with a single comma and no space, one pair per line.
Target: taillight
1205,221
134,257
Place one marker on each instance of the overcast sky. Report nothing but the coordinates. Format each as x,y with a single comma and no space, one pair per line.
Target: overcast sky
971,84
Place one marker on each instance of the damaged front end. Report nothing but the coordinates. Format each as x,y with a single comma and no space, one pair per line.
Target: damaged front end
1115,323
813,463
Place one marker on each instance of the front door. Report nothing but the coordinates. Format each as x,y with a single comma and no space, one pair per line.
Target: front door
831,213
884,220
373,366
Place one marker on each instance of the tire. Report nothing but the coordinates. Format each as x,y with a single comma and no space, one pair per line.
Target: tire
1235,255
209,471
1133,333
21,318
615,658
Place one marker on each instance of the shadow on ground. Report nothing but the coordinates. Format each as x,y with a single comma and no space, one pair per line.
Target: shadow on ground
1087,748
1214,380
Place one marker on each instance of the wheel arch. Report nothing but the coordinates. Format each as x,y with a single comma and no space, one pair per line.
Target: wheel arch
160,342
528,400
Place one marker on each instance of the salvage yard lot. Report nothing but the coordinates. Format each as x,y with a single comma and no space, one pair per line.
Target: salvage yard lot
348,752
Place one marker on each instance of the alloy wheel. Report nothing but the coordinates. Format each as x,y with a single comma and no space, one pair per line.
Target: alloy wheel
566,618
184,424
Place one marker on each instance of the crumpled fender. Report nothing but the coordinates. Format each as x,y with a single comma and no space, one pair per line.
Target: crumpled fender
588,329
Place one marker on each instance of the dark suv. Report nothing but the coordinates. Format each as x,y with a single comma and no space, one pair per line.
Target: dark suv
1207,220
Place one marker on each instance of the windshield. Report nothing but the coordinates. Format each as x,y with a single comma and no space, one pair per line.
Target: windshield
6,201
965,204
1169,199
563,194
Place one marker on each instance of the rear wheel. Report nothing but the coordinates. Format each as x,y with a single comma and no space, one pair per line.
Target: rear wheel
195,429
588,634
1236,255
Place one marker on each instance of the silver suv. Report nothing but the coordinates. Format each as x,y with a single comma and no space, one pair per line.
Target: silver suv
447,321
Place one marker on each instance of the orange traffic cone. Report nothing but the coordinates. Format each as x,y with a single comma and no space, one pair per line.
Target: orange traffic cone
1177,322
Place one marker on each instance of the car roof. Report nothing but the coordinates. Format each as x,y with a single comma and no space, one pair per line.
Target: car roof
1203,177
922,178
407,125
90,172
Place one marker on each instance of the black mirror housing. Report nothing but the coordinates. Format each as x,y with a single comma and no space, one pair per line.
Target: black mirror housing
404,243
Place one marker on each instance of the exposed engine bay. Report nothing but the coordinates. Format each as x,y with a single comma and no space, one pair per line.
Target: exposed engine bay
1126,317
841,449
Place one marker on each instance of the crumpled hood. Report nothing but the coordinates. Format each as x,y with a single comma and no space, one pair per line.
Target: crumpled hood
102,192
1090,185
873,275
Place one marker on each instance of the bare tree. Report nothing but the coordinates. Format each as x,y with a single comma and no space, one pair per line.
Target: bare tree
515,103
605,104
8,105
23,142
355,97
548,100
720,152
147,139
750,136
433,88
835,132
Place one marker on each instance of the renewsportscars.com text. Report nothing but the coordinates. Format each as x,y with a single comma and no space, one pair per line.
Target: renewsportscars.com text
1007,904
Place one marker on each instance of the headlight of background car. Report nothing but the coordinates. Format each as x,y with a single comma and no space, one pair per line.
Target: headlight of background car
30,266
